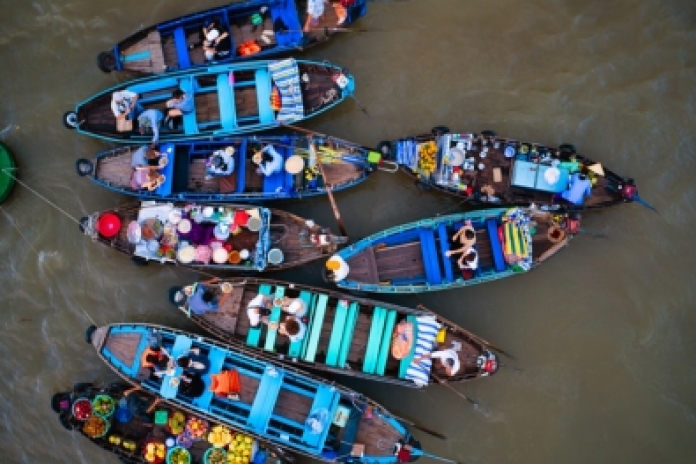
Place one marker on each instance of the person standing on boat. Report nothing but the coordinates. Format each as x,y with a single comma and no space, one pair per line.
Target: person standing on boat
124,104
259,309
180,104
268,160
150,120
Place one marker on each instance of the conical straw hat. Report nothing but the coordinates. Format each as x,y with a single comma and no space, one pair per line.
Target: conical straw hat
294,164
597,169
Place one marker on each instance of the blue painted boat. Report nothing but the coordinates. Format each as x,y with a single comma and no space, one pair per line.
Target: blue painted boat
345,334
276,404
344,164
417,257
274,26
228,100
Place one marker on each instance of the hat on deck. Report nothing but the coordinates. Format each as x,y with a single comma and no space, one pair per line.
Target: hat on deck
597,169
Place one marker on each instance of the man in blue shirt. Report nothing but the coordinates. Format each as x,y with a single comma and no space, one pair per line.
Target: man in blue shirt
578,188
150,120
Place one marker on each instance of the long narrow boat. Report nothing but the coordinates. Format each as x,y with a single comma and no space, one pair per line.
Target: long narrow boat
230,237
345,334
489,170
7,173
130,428
228,99
165,47
415,258
276,403
345,165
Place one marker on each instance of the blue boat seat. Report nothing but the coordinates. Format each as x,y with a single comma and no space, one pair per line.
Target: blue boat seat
374,340
265,399
347,339
430,256
228,112
295,349
276,181
337,332
240,166
444,248
386,343
263,96
254,334
216,356
155,85
181,48
274,317
326,398
190,125
496,245
316,323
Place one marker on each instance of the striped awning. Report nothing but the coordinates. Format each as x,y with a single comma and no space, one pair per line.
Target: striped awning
286,76
427,328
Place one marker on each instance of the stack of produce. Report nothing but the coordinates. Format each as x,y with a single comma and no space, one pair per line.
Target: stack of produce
155,452
196,428
95,427
178,455
220,436
176,423
427,157
82,409
215,456
103,405
241,449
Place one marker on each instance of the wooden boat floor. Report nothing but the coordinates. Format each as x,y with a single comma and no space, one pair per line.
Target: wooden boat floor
124,346
401,261
328,19
338,174
152,44
377,435
225,318
290,234
363,267
321,90
115,169
467,356
288,404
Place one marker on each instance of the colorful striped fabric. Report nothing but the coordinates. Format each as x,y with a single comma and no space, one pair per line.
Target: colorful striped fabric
427,328
286,76
407,153
518,240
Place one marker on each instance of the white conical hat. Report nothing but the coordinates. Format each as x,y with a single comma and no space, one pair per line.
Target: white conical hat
597,169
294,164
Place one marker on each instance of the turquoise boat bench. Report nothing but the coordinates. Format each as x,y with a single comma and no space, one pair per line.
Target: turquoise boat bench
265,399
274,317
296,348
314,332
254,334
496,245
430,256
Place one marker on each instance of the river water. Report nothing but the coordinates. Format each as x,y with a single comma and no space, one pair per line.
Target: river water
602,335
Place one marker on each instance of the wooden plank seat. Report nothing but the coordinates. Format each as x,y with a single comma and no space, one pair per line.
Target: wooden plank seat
216,356
228,114
327,398
349,330
181,48
264,402
314,331
337,333
374,340
383,355
430,256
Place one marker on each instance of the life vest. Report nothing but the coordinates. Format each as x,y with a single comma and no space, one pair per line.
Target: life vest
276,103
146,353
224,383
248,48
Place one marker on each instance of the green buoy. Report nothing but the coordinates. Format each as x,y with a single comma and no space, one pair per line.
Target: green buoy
7,165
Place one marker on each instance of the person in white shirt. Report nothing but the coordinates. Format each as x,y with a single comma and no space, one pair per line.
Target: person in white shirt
448,357
469,260
268,166
124,103
293,328
258,310
296,307
220,164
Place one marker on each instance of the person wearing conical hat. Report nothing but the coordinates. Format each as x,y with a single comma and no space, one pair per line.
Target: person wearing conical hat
338,268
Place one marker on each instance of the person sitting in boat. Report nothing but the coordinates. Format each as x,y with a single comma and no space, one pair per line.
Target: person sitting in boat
259,309
150,120
203,299
192,385
337,268
215,40
146,158
268,160
226,384
193,362
156,359
150,180
220,163
293,328
467,238
294,306
469,260
448,357
180,104
579,187
124,104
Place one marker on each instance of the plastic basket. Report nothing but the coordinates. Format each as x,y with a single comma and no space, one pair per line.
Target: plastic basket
107,426
171,451
209,452
82,400
98,411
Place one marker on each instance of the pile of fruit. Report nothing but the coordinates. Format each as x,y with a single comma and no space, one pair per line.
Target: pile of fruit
176,423
155,452
240,450
220,436
179,455
130,445
115,439
103,405
427,157
196,428
95,427
216,456
82,409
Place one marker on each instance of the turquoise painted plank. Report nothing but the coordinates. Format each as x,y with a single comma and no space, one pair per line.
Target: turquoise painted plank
190,124
347,341
228,112
332,353
144,55
326,398
265,399
263,95
274,317
406,361
374,340
295,349
315,330
255,332
386,342
217,360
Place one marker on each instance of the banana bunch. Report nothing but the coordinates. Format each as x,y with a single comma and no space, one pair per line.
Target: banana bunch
427,157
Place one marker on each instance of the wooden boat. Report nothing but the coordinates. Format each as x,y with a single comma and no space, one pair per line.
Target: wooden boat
489,170
413,258
165,47
230,237
345,165
229,99
276,403
345,334
7,173
129,434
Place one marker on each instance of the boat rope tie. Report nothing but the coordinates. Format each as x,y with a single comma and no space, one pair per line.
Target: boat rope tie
6,172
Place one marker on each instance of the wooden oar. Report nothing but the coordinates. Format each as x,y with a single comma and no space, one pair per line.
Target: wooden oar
332,200
457,392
